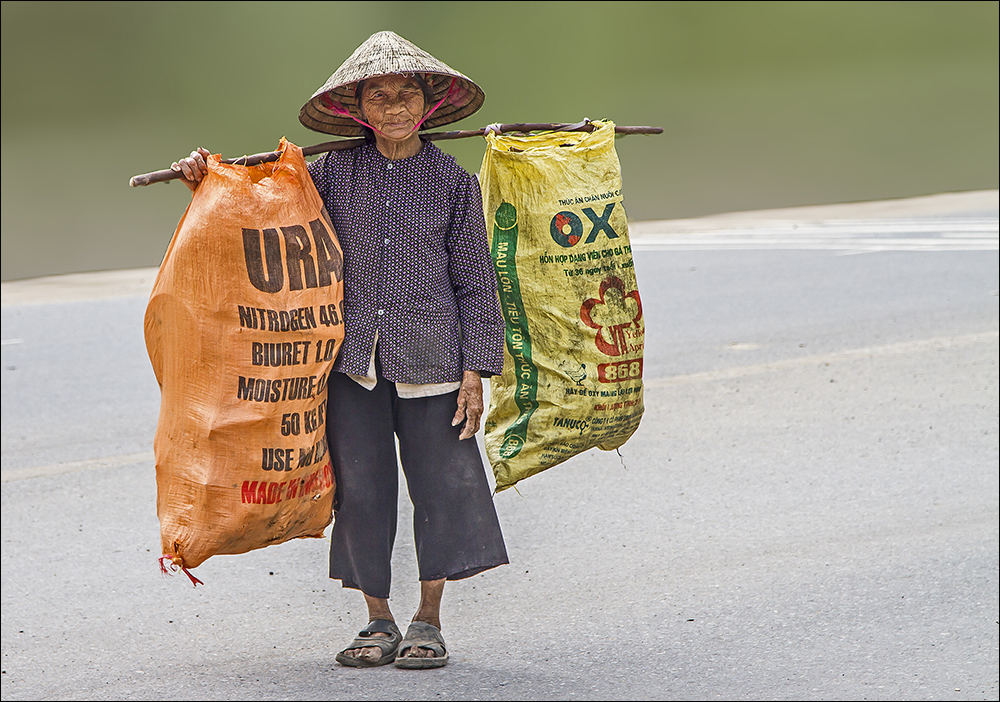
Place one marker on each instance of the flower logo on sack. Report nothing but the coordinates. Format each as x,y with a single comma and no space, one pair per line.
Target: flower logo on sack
612,307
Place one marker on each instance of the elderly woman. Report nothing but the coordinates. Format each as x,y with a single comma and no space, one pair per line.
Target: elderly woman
423,327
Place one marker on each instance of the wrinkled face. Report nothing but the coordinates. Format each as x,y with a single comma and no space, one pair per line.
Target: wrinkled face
394,105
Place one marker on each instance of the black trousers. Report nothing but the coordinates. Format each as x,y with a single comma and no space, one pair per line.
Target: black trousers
455,525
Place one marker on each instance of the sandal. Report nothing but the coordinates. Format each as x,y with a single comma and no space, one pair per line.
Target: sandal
367,639
422,635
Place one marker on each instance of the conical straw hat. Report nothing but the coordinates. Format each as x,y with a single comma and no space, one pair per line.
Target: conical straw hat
385,53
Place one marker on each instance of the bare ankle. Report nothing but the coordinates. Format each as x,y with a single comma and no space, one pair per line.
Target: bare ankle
378,608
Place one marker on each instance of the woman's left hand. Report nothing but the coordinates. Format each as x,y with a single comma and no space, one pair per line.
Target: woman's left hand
470,404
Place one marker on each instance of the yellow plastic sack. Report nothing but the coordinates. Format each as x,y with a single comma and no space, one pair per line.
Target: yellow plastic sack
242,328
572,376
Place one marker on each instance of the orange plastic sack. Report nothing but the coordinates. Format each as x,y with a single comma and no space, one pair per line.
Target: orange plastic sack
242,328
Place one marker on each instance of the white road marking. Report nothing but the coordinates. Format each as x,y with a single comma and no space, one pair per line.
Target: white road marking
7,476
854,236
822,359
905,347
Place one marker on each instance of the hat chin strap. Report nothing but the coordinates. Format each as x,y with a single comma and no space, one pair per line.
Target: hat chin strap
339,109
439,103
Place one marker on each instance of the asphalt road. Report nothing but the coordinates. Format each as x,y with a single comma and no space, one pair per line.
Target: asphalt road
809,509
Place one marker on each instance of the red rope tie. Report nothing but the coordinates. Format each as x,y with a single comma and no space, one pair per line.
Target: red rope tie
173,567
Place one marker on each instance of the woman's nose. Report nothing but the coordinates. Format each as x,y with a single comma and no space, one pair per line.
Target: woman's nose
395,103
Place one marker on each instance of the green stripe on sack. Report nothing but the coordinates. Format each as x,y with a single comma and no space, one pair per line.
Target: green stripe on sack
516,327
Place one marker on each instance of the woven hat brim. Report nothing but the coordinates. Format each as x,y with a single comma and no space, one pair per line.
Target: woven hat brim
316,116
386,53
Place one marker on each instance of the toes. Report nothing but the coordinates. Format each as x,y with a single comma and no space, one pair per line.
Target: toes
370,653
417,652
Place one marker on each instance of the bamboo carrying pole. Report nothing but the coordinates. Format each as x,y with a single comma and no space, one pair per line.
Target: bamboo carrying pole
585,126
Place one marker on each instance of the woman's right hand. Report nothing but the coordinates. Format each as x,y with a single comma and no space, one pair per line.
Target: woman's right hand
193,168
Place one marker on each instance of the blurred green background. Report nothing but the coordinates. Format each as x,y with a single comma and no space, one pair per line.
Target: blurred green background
765,104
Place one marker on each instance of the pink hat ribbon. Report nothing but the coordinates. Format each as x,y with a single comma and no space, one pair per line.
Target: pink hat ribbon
439,103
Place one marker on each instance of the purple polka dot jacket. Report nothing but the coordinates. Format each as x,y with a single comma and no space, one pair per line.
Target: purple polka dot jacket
417,265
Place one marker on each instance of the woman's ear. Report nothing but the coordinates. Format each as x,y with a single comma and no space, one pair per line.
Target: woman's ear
359,90
428,94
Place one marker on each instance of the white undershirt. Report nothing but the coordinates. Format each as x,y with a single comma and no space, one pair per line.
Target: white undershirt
406,391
